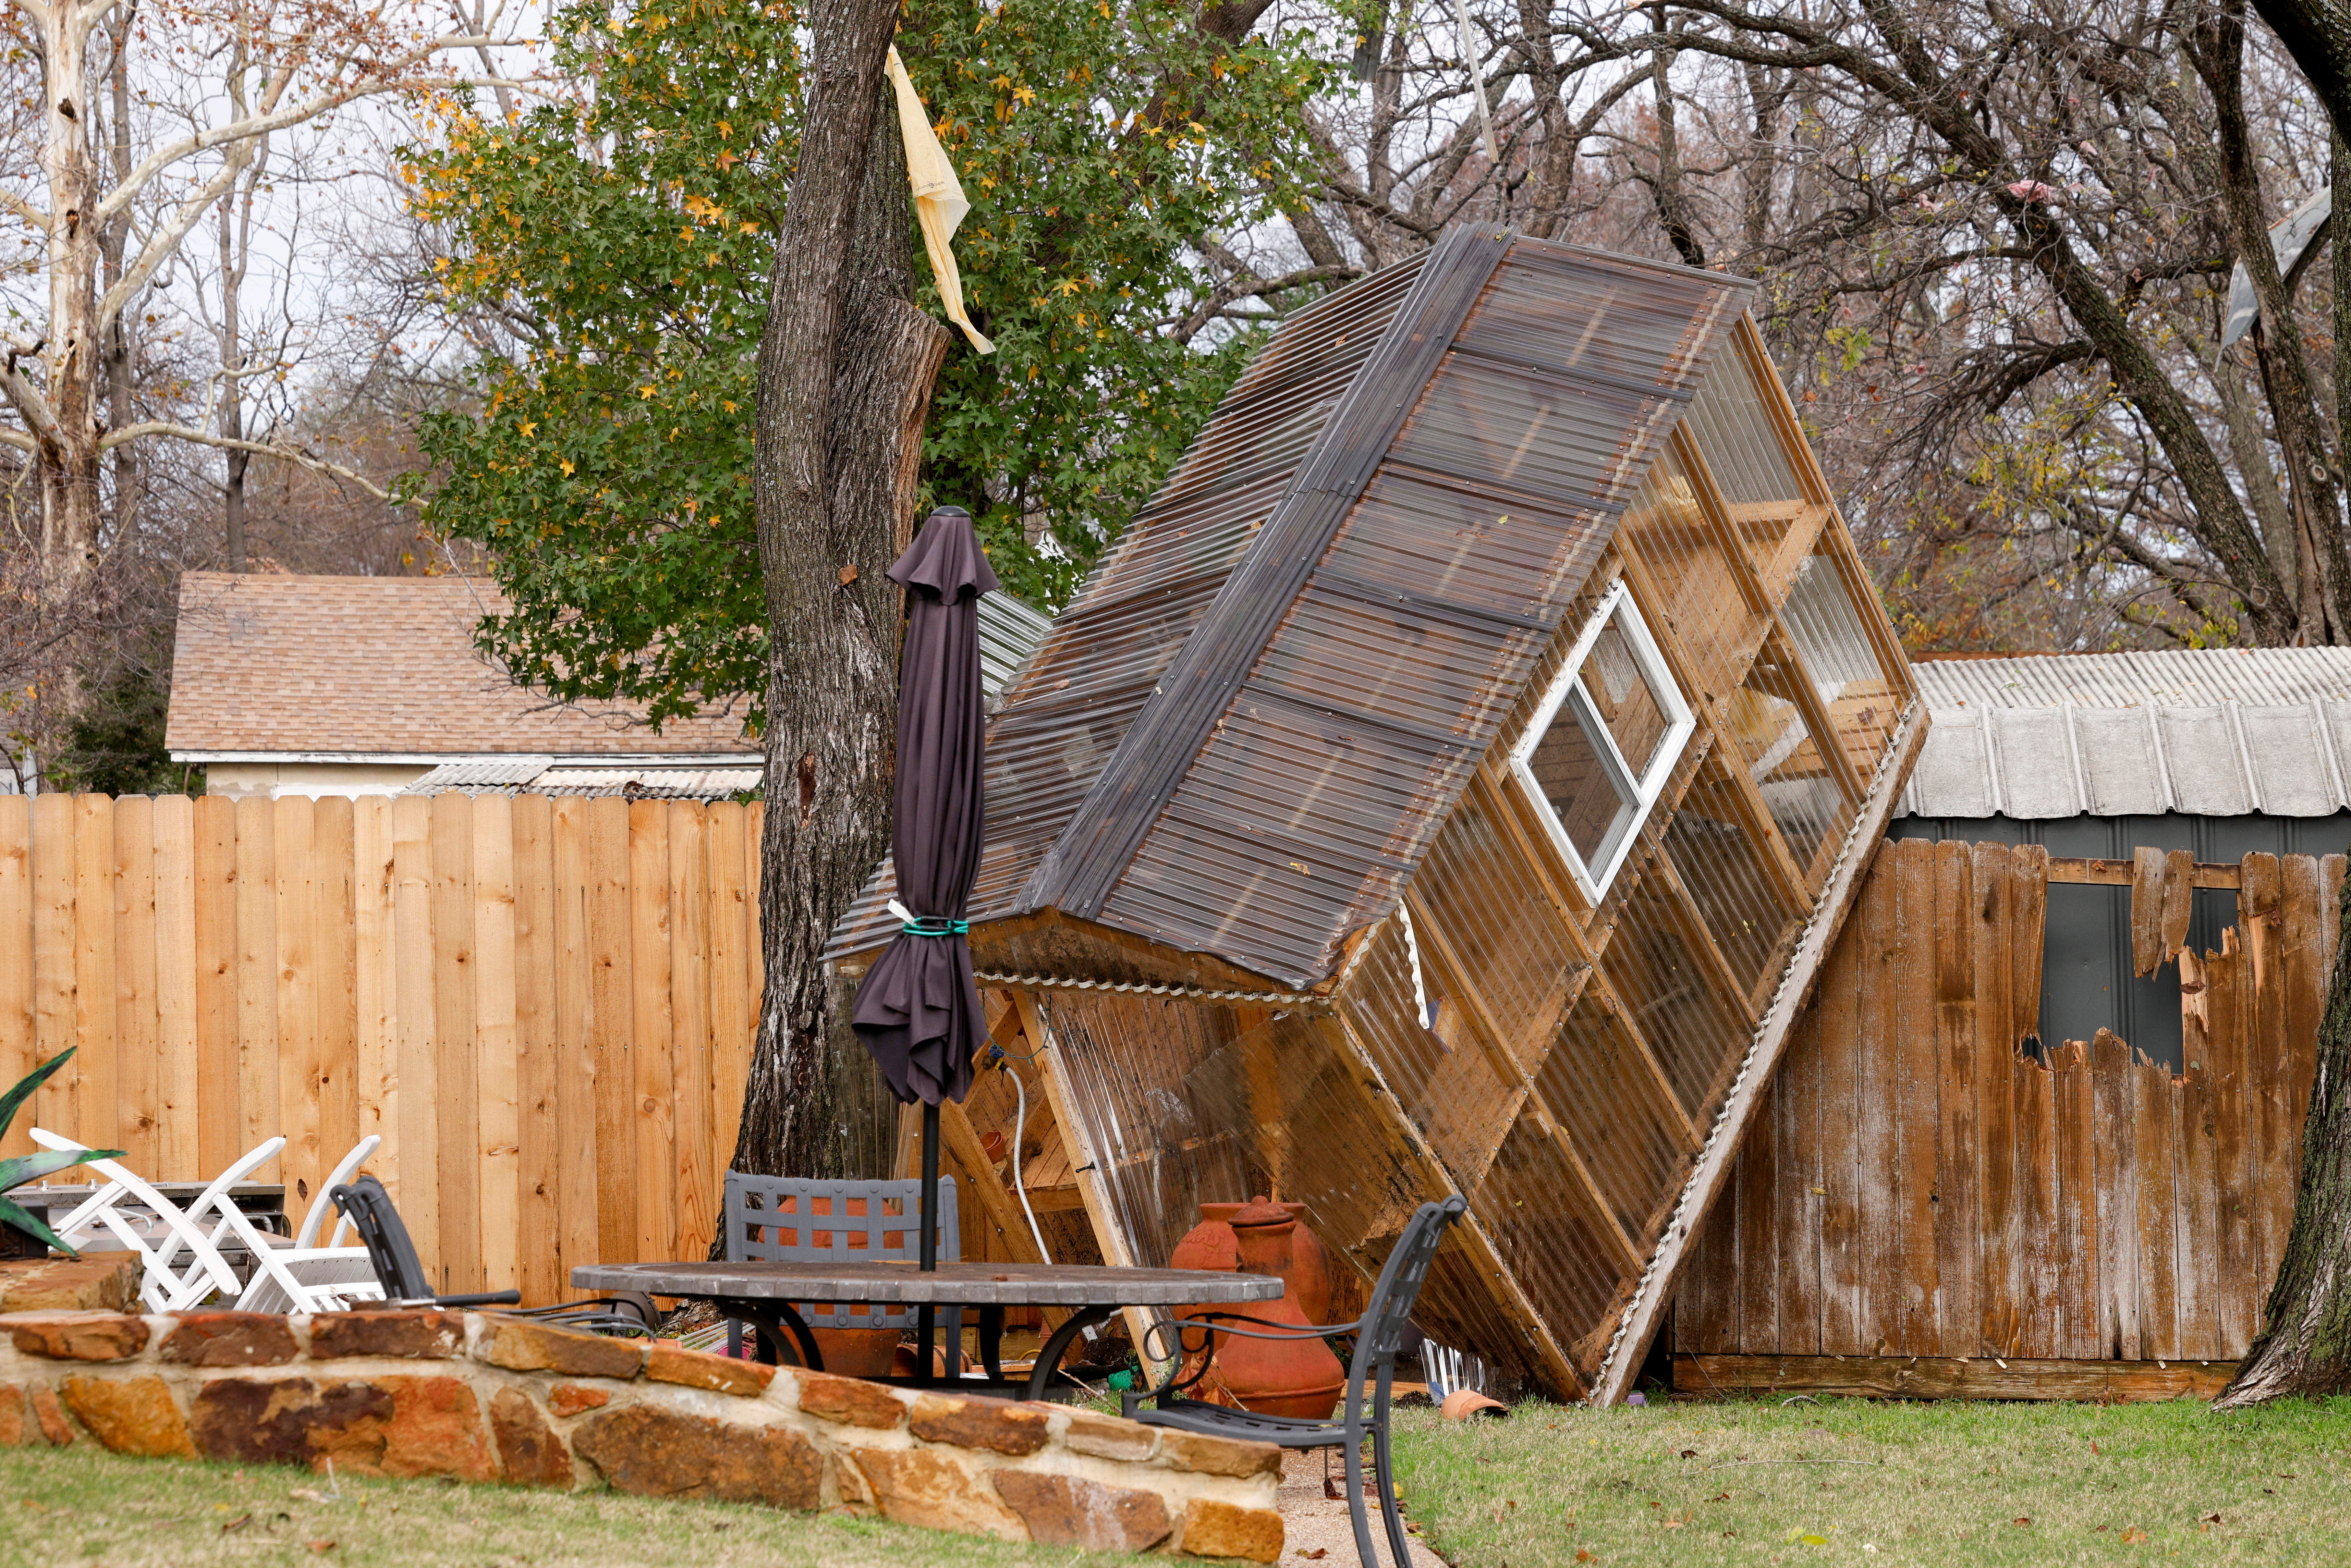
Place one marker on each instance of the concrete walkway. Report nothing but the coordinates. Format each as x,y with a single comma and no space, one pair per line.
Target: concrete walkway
1315,1527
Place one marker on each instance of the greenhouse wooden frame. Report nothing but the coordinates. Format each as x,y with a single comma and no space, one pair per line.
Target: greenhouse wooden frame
1282,714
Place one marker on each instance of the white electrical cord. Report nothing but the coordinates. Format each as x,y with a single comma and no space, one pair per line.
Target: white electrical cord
1020,1118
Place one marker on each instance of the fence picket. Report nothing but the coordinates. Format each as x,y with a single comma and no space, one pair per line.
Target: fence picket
17,1025
218,1115
691,1043
294,856
498,1135
539,1272
137,1028
651,1026
257,1108
180,1077
415,1023
456,1071
99,1074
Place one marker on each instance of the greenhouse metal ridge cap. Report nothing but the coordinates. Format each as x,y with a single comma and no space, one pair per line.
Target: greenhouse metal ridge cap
1092,852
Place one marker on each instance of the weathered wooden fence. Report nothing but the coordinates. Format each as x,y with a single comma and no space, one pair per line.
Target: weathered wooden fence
1920,1186
544,1007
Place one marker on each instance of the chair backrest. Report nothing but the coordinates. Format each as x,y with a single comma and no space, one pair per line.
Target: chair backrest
796,1219
324,1204
397,1267
180,1266
1398,1289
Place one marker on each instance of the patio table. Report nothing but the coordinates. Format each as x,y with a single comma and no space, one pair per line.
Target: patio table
763,1294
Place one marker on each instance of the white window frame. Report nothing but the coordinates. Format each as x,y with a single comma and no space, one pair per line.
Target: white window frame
1680,723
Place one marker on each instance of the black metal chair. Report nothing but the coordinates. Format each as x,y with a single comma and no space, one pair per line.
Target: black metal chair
1379,1337
402,1274
778,1220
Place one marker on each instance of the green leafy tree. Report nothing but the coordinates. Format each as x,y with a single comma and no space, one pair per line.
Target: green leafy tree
625,238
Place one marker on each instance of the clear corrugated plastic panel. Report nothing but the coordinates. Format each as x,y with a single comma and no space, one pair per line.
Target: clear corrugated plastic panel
1484,907
1704,607
1556,1246
1615,324
1784,758
1654,964
1441,1075
1620,1113
1826,628
1718,859
1735,434
1158,1137
1066,716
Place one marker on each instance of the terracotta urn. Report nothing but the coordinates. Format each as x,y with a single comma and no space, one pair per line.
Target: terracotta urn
1209,1245
1296,1377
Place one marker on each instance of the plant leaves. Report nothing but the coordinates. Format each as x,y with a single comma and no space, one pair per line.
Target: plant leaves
12,1101
15,1173
15,1214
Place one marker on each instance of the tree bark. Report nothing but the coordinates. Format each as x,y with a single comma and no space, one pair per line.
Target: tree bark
2304,1344
846,369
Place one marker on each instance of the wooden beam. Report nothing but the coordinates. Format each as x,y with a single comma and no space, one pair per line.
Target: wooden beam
1714,1161
1112,1240
1941,1377
2117,873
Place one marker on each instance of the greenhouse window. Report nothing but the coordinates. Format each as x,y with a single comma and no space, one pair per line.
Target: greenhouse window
1603,742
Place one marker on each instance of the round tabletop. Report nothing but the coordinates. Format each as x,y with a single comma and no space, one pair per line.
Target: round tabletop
962,1284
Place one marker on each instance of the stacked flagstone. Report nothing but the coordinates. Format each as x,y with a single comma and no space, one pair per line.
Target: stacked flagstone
484,1397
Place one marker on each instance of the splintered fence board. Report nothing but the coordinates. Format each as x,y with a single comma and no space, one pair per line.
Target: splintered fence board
2093,1220
545,1008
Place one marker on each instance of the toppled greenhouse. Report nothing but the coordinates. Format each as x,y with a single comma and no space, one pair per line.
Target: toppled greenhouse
1450,783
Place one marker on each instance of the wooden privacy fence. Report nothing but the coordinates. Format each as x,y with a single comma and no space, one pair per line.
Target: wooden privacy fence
1918,1184
545,1007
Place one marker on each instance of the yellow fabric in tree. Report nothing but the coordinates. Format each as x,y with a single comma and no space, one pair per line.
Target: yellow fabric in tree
939,205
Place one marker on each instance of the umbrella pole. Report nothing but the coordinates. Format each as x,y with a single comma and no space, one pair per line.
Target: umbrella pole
928,1242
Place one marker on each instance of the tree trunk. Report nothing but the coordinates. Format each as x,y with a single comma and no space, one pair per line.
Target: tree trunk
67,449
846,370
2304,1344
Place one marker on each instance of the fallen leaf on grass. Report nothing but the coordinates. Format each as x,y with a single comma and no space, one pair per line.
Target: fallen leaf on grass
2134,1536
1689,1453
2211,1518
2023,1519
1583,1554
239,1522
320,1546
1316,1555
306,1495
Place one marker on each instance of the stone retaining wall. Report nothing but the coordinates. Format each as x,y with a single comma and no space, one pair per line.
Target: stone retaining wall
483,1398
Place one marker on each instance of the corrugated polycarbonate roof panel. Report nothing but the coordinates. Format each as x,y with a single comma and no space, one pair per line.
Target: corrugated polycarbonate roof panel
2208,732
1075,699
1410,635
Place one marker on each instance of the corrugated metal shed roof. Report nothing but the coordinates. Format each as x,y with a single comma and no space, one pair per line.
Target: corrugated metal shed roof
2215,732
1239,738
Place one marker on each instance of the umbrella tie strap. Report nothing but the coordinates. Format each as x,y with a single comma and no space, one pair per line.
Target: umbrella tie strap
935,925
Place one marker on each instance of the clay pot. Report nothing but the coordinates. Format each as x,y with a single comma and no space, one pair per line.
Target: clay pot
1463,1403
1208,1245
1276,1377
858,1353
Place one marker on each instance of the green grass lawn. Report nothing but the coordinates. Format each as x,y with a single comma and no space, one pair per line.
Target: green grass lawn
83,1508
1889,1485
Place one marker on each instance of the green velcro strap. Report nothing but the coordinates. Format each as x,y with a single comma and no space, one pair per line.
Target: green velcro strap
935,925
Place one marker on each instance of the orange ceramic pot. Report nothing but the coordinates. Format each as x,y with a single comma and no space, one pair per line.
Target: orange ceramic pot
1296,1377
1208,1245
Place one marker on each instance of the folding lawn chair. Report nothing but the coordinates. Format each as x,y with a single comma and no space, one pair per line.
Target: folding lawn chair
181,1266
303,1277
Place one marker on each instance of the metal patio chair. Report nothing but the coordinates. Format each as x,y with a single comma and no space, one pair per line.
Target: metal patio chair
760,1211
1379,1337
405,1283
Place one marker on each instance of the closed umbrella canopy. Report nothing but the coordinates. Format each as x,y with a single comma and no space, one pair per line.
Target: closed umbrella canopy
918,1010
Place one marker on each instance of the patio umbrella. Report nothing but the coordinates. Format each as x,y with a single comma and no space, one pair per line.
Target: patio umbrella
918,1010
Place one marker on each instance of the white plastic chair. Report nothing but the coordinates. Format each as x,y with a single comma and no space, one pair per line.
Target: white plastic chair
303,1277
161,1238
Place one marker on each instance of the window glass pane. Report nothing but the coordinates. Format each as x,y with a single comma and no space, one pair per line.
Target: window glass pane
1786,762
1579,784
1619,693
1826,628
